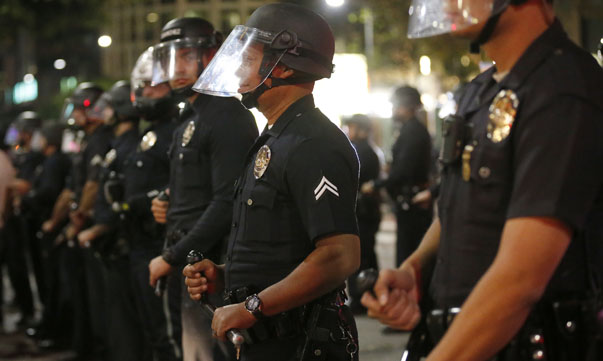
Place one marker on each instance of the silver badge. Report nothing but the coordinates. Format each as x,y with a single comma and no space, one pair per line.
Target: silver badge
261,161
110,157
188,133
96,160
148,141
502,115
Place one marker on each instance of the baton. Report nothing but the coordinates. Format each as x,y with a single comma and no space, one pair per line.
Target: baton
235,336
162,281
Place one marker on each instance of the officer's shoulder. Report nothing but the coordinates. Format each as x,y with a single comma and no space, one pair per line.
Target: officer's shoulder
316,129
232,106
572,71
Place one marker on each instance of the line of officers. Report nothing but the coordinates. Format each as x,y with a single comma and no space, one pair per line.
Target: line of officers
275,214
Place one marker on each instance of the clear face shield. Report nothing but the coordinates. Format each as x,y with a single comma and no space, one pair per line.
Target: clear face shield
435,17
11,138
178,62
101,111
244,61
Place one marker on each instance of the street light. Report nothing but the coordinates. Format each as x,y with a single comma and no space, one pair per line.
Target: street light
104,41
60,64
335,3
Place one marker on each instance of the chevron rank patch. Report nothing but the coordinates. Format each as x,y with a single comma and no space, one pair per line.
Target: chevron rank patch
325,186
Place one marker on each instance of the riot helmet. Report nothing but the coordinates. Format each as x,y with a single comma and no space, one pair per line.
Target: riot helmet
153,102
276,33
435,17
52,133
114,106
23,129
74,110
179,56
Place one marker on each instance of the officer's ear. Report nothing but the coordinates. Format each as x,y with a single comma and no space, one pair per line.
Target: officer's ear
283,72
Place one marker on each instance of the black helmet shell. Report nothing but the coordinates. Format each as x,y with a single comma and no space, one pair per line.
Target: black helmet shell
28,121
85,95
119,97
316,45
181,28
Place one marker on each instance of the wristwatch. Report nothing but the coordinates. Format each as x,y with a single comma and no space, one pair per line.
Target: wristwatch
254,305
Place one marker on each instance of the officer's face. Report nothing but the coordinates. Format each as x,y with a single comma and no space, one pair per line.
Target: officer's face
155,92
186,68
79,116
249,70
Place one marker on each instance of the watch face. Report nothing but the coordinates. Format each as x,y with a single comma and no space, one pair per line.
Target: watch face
253,303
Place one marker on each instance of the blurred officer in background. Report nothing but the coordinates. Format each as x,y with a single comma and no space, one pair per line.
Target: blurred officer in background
207,152
359,130
28,162
517,244
146,173
294,237
112,308
409,172
72,213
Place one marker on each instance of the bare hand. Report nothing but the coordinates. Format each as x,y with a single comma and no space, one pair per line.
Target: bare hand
229,317
77,218
422,199
204,276
367,188
71,231
48,226
396,304
159,209
158,268
86,237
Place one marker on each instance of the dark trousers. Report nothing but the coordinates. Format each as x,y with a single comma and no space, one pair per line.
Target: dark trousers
160,316
411,227
125,339
16,264
368,258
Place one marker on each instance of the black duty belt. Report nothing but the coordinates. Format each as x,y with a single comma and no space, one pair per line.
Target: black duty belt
288,324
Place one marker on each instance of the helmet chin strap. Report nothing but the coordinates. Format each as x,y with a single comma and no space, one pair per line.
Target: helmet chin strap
490,25
250,99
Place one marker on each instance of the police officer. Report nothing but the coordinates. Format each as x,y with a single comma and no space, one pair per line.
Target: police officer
409,173
28,162
146,173
359,130
74,207
207,152
294,237
512,245
110,294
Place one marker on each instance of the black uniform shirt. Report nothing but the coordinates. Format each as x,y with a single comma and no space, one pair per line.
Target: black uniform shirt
88,162
411,158
48,184
146,172
204,165
122,147
370,167
307,192
28,164
548,166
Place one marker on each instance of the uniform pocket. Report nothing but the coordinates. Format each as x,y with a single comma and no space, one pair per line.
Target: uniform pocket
260,207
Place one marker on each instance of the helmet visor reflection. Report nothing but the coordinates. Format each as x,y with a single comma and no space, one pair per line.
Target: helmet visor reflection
435,17
243,62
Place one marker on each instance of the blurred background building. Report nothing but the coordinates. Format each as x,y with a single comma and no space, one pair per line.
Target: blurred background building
48,46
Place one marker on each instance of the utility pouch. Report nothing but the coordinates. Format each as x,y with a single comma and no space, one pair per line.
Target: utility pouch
453,137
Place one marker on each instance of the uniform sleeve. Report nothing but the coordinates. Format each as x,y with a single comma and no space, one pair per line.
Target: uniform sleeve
323,182
558,154
94,159
228,145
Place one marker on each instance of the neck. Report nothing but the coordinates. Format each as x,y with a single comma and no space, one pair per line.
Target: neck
192,98
91,127
121,128
49,150
275,101
516,30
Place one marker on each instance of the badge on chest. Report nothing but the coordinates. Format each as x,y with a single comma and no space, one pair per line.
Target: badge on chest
261,161
502,115
188,133
148,141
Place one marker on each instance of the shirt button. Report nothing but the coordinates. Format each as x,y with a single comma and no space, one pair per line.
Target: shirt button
228,258
484,172
234,224
180,156
139,164
249,202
